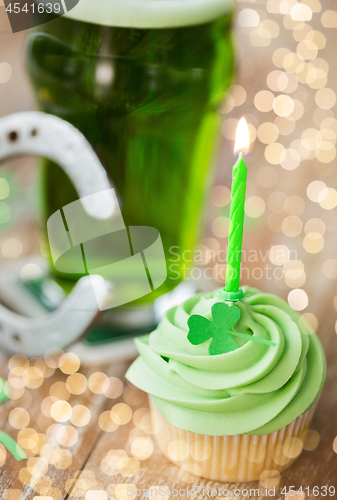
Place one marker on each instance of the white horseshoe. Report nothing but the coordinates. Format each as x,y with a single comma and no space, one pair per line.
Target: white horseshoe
46,135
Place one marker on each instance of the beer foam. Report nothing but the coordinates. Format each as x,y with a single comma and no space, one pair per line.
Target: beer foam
150,13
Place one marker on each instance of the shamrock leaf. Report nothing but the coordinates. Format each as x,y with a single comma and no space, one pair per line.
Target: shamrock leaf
224,315
219,330
201,329
221,344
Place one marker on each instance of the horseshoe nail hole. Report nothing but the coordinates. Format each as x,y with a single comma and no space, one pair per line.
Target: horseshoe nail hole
13,136
17,338
34,132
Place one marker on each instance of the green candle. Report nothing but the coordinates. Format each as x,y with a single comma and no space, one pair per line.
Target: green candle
237,214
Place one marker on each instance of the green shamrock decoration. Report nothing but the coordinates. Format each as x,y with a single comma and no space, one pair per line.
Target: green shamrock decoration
219,330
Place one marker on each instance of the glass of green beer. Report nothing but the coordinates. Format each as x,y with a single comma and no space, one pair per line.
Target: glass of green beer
141,79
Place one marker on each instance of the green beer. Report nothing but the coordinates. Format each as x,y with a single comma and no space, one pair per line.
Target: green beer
142,81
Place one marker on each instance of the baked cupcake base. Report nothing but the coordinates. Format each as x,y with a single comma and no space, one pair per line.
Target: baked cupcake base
238,458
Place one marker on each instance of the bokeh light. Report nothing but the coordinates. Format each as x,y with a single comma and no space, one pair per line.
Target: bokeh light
298,299
5,72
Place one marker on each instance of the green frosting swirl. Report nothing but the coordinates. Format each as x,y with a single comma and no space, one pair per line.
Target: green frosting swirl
256,389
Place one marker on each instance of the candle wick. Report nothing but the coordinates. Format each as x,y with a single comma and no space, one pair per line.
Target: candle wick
241,153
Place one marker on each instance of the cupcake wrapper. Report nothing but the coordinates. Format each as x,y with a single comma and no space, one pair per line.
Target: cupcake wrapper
238,458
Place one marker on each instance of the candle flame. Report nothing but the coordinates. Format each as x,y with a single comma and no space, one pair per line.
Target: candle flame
242,137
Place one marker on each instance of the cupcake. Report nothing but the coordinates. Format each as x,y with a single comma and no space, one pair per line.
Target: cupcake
233,385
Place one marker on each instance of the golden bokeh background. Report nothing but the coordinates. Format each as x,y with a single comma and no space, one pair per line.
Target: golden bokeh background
286,88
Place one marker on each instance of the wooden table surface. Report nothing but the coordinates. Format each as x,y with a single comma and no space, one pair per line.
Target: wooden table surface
83,472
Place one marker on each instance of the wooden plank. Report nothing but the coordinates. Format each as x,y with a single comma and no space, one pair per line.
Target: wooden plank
16,476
